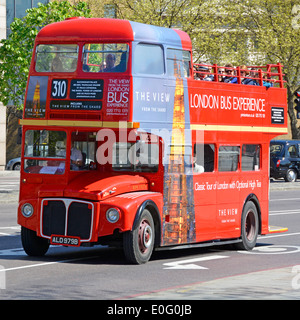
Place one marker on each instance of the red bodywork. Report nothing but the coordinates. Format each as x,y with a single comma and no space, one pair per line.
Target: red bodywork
223,113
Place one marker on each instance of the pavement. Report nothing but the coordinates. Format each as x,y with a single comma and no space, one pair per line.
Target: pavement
9,173
9,188
282,283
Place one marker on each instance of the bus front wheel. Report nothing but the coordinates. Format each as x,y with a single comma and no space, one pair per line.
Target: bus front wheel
250,226
138,244
32,244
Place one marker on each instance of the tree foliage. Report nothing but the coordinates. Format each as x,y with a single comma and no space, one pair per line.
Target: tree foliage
199,18
253,32
16,50
222,31
271,29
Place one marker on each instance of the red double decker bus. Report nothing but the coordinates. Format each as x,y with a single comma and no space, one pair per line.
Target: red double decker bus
122,144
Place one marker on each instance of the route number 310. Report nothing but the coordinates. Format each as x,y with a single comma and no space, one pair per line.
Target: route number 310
59,89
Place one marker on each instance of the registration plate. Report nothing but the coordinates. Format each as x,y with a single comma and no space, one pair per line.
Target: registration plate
65,240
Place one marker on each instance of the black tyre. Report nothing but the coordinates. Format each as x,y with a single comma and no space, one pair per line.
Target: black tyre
290,176
32,244
249,227
138,244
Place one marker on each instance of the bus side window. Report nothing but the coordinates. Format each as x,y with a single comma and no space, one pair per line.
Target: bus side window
178,63
228,158
83,146
250,157
148,59
204,158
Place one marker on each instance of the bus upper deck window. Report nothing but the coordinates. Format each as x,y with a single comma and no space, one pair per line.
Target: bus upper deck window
178,62
56,57
105,57
149,59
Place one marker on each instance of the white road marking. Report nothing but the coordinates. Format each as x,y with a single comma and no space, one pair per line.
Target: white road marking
273,249
42,264
290,199
12,252
188,264
15,229
283,212
279,235
20,251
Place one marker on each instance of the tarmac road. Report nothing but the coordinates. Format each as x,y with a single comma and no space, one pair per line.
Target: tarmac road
270,271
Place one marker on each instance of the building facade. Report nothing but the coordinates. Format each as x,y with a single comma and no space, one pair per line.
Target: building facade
2,107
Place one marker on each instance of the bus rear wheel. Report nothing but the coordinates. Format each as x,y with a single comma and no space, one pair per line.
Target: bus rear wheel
250,227
138,244
32,244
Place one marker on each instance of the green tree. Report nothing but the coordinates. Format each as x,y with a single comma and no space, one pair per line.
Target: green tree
272,30
199,18
16,50
241,32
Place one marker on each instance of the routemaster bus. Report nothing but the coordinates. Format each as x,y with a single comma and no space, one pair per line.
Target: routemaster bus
122,144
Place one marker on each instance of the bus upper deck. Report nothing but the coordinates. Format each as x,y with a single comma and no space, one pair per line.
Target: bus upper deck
131,75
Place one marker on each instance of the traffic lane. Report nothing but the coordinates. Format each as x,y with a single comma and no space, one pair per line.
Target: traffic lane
65,274
284,209
106,277
102,273
9,187
284,199
9,183
8,214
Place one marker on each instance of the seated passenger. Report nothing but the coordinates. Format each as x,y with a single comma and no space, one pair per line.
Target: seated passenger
245,76
56,65
110,61
121,67
197,168
268,82
76,155
85,68
201,74
76,159
229,78
221,77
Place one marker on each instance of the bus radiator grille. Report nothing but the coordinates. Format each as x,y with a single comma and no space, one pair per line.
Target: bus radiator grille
66,217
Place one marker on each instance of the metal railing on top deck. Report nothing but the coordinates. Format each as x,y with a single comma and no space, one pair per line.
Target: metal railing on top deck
269,75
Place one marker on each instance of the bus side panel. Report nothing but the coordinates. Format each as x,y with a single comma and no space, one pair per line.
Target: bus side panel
205,206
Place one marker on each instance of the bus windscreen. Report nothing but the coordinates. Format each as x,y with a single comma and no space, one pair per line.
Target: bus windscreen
56,57
105,57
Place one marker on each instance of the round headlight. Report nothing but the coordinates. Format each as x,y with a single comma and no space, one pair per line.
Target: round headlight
27,210
112,215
